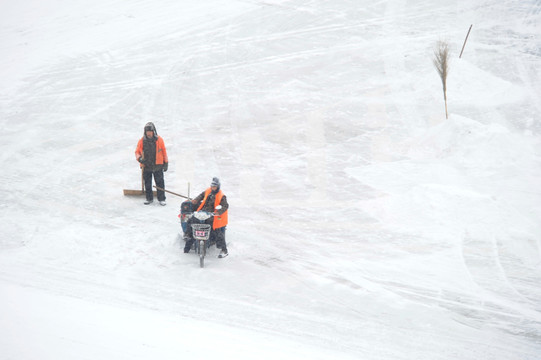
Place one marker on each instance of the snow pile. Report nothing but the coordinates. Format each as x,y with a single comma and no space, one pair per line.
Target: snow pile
460,174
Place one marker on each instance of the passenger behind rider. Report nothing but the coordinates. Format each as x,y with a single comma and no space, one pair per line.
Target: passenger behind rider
212,200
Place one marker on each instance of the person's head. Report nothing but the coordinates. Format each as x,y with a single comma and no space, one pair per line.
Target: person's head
215,184
150,130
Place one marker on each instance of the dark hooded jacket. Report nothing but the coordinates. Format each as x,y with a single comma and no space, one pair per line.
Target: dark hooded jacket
151,150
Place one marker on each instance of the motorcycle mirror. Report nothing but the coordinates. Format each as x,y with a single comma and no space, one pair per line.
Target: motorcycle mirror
219,207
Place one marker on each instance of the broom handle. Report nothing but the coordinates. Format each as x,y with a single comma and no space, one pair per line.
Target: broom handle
170,192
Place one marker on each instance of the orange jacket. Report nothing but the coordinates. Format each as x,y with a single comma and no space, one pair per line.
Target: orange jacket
220,221
161,152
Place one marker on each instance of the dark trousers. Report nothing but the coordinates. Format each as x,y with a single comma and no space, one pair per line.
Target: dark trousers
219,237
158,179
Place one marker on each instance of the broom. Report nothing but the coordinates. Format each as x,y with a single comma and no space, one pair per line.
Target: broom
141,192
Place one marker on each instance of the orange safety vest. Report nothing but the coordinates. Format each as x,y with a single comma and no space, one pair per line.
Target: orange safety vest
220,221
161,152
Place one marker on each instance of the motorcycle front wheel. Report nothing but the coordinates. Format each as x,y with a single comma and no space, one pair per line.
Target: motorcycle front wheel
202,252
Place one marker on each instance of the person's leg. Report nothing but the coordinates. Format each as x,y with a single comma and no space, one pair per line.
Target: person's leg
160,182
220,239
188,237
147,176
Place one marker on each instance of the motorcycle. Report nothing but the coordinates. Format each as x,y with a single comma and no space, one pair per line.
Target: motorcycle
201,229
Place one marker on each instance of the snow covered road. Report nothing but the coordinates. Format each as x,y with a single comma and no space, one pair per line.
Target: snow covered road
363,225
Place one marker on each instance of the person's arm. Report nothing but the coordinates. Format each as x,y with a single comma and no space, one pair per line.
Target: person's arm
197,200
224,205
139,151
164,150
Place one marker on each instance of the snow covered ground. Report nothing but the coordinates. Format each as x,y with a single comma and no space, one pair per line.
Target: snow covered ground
363,225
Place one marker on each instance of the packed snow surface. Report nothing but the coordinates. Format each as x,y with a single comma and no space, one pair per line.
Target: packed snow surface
363,223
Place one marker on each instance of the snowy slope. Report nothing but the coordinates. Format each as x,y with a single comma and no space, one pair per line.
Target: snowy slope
363,225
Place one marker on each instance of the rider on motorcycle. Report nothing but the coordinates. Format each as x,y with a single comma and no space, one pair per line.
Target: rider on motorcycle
212,200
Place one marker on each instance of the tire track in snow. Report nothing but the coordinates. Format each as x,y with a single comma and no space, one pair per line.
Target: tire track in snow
482,259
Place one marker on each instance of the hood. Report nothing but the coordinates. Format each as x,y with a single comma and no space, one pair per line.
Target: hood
150,125
215,182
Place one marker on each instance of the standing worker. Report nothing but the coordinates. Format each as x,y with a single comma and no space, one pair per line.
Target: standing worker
152,157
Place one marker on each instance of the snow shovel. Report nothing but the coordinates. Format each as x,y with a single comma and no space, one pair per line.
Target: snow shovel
138,192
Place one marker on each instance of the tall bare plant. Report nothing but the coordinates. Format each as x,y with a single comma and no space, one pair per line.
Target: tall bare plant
441,62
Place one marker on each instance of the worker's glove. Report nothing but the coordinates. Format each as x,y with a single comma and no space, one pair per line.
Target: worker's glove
165,166
140,159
